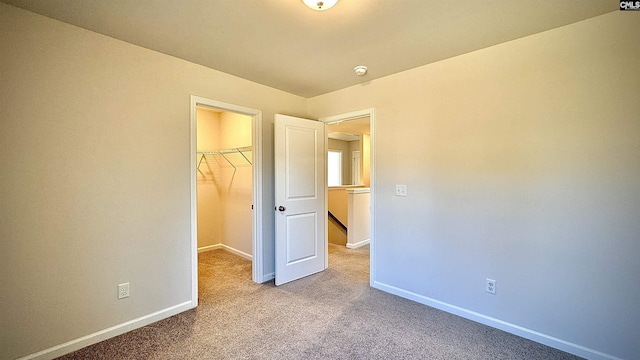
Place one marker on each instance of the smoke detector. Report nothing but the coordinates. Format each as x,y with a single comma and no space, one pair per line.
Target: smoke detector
360,70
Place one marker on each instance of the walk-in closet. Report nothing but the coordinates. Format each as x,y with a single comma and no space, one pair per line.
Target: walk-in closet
224,181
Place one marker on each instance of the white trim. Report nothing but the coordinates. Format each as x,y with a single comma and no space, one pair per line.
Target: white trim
236,252
79,343
498,324
348,116
268,277
358,191
326,198
371,113
193,218
209,248
355,168
225,248
358,244
257,268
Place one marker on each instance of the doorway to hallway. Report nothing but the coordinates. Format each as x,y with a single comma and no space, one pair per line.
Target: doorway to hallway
352,203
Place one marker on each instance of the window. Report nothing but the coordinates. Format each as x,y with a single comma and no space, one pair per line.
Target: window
334,168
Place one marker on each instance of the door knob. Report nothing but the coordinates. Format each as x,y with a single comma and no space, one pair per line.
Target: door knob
281,208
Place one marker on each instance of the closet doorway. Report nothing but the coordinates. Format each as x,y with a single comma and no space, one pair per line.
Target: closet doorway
225,182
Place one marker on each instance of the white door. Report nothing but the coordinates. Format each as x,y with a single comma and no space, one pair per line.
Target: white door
300,197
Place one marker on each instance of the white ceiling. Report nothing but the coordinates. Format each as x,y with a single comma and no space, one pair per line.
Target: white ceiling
285,45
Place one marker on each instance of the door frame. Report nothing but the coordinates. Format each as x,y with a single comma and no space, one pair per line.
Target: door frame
372,177
354,178
257,270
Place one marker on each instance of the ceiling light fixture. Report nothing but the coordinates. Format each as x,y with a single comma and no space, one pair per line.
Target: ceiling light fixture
320,5
360,70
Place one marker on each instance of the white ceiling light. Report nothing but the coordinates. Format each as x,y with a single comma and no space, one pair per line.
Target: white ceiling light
320,5
360,70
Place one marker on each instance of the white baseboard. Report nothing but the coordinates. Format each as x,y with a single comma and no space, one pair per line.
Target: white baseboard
119,329
227,248
236,251
209,248
551,341
358,244
73,345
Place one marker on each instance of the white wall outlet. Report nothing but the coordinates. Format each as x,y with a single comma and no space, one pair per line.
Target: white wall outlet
123,291
401,190
490,286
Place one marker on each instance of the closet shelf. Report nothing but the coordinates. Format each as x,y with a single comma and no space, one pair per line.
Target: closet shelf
227,151
222,152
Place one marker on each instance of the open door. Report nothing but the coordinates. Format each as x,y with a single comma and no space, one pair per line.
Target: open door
300,197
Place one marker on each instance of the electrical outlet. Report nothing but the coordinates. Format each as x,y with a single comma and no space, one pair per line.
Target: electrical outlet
401,190
490,286
123,291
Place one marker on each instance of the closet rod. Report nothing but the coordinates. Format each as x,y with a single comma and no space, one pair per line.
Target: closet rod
227,151
222,152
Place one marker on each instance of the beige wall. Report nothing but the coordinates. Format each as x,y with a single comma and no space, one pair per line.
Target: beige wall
338,204
522,165
208,177
236,188
365,159
208,130
236,129
339,207
336,234
94,152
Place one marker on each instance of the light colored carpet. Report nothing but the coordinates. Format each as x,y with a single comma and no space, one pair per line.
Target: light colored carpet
330,315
